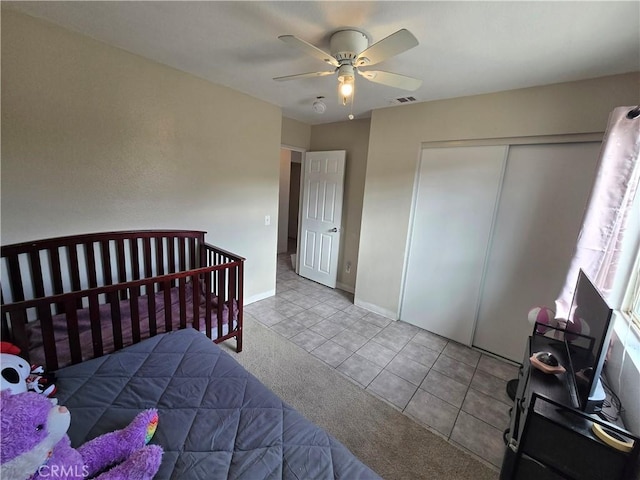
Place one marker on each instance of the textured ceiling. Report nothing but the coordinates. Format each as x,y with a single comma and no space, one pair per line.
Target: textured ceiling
466,48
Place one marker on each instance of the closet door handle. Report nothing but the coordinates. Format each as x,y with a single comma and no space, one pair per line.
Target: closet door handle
334,230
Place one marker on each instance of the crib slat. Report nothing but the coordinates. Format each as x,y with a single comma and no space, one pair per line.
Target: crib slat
203,252
216,288
159,256
221,295
122,268
171,255
207,304
36,273
168,320
148,269
116,320
231,296
74,271
182,254
106,262
49,344
91,265
135,315
15,278
195,301
72,331
96,326
192,253
183,303
4,321
19,331
135,259
172,258
56,274
151,305
54,260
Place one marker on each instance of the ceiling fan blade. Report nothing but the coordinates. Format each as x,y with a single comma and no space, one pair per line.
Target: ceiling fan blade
304,75
396,43
392,79
309,49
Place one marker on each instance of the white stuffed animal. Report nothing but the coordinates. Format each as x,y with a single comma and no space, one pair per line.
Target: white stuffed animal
15,369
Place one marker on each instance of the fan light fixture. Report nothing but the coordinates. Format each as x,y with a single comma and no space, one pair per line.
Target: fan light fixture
349,51
346,83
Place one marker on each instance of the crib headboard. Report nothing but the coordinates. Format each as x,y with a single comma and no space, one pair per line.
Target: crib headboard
66,264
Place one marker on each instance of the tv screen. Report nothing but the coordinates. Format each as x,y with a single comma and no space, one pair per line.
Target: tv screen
587,339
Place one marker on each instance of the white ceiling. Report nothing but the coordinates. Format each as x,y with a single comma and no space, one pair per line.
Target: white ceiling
465,48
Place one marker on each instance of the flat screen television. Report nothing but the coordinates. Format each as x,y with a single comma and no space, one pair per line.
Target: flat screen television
587,339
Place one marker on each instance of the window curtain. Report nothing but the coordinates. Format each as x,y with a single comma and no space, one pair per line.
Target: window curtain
604,225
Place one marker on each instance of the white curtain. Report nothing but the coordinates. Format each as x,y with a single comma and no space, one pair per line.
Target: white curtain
605,220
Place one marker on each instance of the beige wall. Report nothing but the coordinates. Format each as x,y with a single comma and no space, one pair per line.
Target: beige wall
295,133
352,136
394,148
95,138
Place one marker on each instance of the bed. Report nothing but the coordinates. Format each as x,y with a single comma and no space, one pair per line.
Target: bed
216,419
149,340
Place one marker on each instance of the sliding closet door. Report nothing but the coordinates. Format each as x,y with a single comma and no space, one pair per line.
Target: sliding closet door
543,197
455,202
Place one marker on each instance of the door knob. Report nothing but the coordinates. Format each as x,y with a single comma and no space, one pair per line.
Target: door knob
334,229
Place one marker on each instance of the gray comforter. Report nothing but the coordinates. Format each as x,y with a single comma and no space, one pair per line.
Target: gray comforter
217,421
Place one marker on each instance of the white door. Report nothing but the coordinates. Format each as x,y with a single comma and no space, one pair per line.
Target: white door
456,199
321,216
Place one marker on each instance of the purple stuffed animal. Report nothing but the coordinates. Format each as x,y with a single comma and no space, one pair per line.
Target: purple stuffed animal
34,444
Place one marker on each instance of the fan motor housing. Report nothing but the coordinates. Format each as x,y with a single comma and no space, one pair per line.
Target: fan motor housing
348,44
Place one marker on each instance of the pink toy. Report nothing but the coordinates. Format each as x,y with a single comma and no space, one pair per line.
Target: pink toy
34,444
543,315
576,325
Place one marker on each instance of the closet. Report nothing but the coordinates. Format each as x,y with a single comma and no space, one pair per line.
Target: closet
492,233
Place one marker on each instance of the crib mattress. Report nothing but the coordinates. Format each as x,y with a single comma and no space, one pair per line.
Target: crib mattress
164,305
216,420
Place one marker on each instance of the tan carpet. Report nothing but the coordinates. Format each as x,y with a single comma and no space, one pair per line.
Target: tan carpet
392,444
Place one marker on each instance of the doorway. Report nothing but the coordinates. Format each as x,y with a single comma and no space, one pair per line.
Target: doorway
294,202
289,199
314,209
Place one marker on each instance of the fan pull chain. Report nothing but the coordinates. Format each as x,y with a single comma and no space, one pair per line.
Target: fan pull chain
353,94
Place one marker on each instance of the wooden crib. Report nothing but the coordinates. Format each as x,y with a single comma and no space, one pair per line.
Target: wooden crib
68,299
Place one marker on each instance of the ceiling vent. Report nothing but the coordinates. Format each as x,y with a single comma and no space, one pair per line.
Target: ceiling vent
403,100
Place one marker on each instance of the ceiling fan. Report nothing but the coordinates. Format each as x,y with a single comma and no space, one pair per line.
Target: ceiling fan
349,51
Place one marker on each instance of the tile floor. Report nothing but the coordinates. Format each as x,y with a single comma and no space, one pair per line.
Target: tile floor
447,387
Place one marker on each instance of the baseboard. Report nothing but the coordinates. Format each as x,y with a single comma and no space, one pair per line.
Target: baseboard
376,309
259,296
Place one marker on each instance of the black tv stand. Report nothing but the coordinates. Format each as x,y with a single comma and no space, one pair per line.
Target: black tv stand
548,439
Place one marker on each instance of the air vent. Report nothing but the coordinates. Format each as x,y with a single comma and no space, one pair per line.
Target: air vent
403,100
